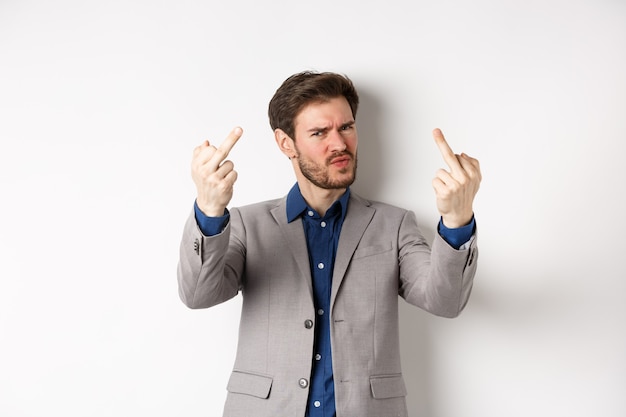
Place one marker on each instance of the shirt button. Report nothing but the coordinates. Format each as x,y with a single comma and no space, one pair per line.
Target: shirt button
308,324
318,357
310,213
303,383
320,265
323,224
317,404
320,312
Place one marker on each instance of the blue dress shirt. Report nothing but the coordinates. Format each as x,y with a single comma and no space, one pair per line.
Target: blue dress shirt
322,236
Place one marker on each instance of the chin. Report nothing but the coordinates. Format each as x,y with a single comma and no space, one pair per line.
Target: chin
343,183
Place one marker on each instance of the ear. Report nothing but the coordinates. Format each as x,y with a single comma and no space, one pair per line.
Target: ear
285,143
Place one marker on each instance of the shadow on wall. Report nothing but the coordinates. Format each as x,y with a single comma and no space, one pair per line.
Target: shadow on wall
414,332
371,170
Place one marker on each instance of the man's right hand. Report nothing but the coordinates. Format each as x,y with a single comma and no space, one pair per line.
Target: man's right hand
214,177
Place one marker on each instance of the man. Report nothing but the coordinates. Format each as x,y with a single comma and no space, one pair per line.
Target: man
320,270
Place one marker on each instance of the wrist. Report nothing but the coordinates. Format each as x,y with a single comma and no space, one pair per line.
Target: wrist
455,222
210,210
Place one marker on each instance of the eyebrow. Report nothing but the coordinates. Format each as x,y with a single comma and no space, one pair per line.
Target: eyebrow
326,129
318,129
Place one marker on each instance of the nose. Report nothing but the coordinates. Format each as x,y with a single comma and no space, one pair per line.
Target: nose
336,141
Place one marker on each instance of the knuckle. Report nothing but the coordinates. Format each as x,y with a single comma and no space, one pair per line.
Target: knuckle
218,152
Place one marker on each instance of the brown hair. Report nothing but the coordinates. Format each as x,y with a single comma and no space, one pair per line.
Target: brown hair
306,87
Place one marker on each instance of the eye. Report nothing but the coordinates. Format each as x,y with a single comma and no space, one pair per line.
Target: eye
347,127
318,133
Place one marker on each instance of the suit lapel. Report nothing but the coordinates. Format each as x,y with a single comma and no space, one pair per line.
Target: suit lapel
296,241
357,219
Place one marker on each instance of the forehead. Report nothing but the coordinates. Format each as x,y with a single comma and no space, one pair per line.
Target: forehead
334,110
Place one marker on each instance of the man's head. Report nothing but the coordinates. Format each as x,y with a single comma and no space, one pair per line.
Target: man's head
318,109
304,88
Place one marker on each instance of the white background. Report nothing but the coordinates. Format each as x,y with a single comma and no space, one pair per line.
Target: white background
102,103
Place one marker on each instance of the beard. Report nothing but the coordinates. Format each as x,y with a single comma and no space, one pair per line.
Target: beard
319,174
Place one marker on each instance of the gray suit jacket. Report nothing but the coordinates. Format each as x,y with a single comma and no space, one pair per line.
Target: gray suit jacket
381,255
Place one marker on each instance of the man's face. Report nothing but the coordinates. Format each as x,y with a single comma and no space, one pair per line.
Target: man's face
326,143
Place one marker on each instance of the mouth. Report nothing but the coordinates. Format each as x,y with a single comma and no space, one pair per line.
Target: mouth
341,161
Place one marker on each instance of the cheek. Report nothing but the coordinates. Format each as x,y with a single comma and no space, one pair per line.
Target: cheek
313,152
352,143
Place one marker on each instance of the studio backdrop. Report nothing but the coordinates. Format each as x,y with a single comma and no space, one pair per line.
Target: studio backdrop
102,103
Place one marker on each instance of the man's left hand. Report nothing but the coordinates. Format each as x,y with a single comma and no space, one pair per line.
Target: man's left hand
455,189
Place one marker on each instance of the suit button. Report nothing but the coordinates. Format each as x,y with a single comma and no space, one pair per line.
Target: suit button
303,383
196,246
308,324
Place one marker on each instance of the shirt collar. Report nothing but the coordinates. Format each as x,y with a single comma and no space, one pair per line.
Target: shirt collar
296,205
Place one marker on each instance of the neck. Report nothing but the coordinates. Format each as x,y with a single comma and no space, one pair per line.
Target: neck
320,199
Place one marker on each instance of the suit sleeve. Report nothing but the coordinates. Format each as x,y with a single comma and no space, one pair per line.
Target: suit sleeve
209,268
438,280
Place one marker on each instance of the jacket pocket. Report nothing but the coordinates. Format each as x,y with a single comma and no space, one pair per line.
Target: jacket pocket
387,386
372,250
250,384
